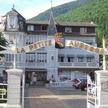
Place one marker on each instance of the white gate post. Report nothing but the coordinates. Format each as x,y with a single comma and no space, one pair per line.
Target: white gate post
14,88
101,89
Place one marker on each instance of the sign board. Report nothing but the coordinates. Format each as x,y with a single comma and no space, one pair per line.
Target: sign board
68,43
3,93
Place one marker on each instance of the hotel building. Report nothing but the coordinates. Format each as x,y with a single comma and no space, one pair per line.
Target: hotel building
50,62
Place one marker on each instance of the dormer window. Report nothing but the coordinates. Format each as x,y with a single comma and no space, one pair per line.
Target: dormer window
68,29
11,19
30,28
12,22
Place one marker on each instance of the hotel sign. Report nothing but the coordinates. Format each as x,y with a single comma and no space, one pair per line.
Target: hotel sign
79,44
3,93
34,46
68,43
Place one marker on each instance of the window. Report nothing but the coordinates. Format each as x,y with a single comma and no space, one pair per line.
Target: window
30,57
90,43
42,57
76,29
90,59
12,21
90,29
44,27
30,28
83,30
68,29
80,59
70,59
37,27
61,59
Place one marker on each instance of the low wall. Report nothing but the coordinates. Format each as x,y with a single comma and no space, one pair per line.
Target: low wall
61,84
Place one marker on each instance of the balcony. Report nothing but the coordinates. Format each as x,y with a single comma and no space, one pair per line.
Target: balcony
78,65
60,65
26,65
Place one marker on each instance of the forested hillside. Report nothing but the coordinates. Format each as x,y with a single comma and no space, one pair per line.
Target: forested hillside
96,11
59,10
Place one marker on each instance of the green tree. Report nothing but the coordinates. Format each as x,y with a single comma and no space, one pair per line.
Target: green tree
2,42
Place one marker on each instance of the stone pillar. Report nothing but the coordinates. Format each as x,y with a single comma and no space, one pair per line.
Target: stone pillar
101,89
14,88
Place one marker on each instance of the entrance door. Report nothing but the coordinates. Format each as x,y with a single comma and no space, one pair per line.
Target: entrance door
41,77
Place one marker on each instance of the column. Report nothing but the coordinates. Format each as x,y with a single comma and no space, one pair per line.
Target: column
14,88
101,88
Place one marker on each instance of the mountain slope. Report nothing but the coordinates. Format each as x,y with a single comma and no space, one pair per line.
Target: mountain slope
96,11
59,10
88,12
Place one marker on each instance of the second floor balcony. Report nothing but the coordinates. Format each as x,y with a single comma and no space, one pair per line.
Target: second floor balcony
78,64
24,65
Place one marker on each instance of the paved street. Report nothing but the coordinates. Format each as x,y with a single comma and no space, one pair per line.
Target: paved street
54,98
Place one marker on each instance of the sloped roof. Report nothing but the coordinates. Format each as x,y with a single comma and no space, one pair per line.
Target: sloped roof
14,11
63,23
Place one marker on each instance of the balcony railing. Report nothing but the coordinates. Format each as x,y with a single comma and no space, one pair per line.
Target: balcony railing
60,64
78,64
26,65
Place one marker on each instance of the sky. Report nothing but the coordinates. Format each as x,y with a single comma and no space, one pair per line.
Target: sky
29,8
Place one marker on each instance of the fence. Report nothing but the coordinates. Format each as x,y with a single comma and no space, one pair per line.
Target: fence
61,84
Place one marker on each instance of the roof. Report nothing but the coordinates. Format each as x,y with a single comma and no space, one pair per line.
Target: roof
15,11
63,23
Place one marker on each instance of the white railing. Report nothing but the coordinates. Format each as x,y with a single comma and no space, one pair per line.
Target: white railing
78,64
26,65
60,64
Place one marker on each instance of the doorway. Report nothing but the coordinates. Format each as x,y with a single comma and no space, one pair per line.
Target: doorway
36,78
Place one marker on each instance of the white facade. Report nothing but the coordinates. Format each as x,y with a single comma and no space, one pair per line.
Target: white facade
51,62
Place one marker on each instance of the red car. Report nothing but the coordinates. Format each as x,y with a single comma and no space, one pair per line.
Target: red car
76,83
83,85
80,83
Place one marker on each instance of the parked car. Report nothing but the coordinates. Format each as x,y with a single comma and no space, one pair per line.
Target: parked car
76,83
83,84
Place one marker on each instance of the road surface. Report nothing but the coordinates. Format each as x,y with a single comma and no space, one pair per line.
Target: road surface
41,97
